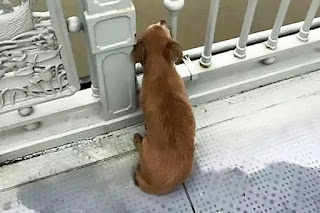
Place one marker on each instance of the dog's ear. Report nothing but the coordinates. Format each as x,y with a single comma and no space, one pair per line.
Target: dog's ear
173,51
138,52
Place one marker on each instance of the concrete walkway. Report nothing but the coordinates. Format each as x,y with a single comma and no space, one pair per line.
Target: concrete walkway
256,152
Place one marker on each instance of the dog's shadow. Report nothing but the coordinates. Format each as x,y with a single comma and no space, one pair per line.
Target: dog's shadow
278,188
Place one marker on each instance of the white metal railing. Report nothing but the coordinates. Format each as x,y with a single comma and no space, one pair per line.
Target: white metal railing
239,44
240,51
187,70
173,6
245,31
254,38
210,72
212,20
304,31
273,38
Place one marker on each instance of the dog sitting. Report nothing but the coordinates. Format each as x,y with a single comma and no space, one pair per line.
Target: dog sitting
166,152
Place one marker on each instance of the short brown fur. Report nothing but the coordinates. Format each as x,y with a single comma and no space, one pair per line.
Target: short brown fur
166,152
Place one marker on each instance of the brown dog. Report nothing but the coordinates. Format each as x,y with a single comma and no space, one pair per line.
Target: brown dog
166,152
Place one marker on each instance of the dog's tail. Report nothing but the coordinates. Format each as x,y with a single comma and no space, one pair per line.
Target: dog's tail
147,188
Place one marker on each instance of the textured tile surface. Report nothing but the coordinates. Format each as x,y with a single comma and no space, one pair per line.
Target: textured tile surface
265,162
104,187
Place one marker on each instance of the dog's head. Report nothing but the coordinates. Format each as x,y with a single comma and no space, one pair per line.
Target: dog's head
156,41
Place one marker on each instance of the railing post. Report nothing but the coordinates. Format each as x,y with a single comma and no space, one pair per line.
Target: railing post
174,7
240,51
92,69
211,27
273,38
304,31
111,29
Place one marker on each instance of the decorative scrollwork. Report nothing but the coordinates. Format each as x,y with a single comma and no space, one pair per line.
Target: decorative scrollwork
30,59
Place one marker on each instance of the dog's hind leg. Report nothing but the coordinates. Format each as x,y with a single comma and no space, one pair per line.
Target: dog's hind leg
137,141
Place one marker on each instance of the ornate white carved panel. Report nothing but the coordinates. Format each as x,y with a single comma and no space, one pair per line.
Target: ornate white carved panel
36,61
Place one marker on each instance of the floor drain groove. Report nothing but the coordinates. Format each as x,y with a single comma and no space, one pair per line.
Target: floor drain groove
188,196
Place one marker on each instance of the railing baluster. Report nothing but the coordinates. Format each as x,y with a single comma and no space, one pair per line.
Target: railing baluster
273,38
304,31
211,26
174,7
240,51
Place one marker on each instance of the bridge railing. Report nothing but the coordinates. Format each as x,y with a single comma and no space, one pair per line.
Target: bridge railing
42,107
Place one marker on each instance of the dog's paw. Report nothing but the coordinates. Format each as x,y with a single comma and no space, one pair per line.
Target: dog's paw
137,138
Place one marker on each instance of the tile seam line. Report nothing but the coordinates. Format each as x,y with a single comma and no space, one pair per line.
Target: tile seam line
188,197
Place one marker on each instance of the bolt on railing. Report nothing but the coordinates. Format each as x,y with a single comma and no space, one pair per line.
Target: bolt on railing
211,26
304,31
240,51
273,38
174,7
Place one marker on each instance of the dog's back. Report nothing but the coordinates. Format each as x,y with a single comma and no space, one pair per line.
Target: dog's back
168,152
166,157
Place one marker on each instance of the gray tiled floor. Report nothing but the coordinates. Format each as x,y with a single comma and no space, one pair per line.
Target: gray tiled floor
103,187
264,158
266,162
